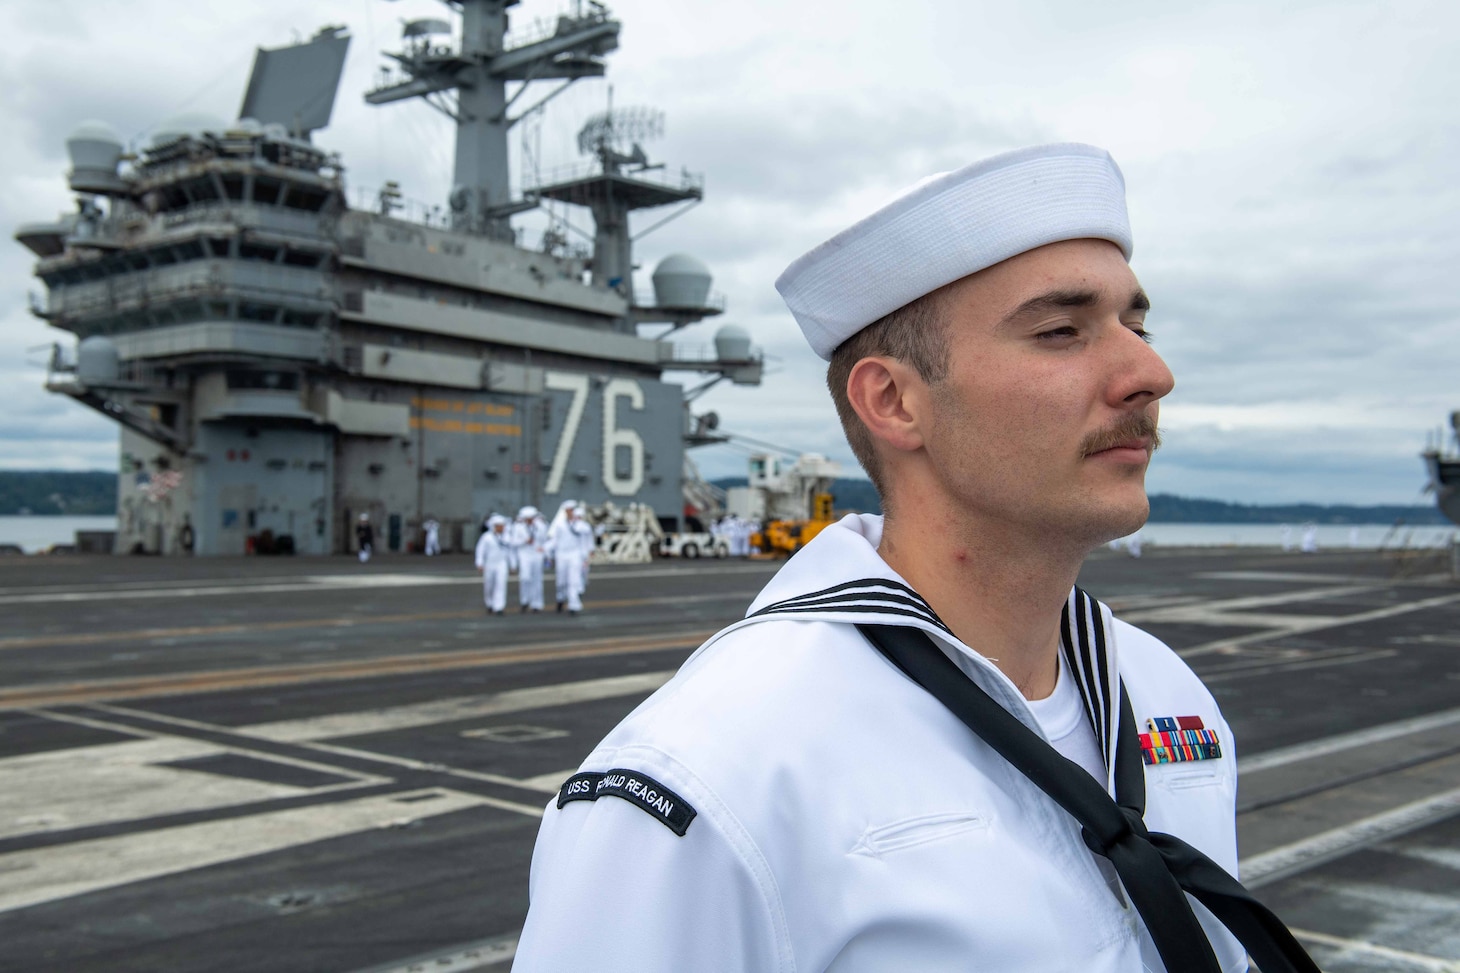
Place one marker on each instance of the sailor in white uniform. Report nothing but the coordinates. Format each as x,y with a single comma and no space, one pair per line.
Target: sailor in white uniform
432,527
924,748
570,539
494,563
529,538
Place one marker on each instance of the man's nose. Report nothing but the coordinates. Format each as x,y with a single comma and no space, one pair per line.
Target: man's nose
1141,373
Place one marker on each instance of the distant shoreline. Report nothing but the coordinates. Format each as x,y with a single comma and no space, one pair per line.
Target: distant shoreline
55,493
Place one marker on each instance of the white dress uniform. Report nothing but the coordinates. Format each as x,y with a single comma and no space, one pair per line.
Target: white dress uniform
494,557
529,538
570,540
791,801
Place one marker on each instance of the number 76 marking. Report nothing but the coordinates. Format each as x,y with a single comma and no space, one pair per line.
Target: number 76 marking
613,436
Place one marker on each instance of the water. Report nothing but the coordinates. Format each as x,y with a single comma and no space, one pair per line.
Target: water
35,534
1330,536
38,533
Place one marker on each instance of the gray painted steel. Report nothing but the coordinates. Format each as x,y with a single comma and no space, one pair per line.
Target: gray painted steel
280,364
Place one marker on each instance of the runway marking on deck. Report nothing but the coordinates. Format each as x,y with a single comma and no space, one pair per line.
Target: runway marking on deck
455,709
128,590
96,690
341,621
111,783
1299,752
1247,670
355,753
1433,964
1305,625
33,877
1199,609
462,958
1444,857
1315,850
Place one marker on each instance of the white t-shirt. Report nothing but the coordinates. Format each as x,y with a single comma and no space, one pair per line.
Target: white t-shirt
1061,715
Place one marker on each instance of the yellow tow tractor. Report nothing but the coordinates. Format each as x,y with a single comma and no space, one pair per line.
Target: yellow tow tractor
792,501
786,537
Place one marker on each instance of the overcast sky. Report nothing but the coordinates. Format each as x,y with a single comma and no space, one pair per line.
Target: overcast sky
1291,170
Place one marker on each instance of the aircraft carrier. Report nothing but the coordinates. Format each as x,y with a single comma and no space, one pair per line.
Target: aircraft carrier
280,363
243,764
1442,463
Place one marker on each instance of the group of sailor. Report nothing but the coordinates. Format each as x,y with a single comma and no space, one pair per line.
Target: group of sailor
736,531
525,545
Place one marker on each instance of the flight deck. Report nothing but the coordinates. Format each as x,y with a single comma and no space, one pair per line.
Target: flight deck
308,764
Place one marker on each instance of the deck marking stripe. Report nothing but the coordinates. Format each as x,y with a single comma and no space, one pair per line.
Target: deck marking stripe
1310,852
265,755
350,621
1181,613
1299,665
221,680
1312,625
462,958
1417,960
230,586
1299,752
33,877
460,708
370,756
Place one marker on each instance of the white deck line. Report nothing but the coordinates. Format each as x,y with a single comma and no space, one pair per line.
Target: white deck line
1269,866
1299,752
33,877
1431,964
1302,626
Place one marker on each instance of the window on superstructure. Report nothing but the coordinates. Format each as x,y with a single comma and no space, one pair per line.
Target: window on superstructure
300,319
302,258
253,311
233,187
257,251
267,190
305,198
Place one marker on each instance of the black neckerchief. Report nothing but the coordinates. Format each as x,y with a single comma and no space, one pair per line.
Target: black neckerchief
1155,868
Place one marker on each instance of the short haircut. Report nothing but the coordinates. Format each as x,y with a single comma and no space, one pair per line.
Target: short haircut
915,334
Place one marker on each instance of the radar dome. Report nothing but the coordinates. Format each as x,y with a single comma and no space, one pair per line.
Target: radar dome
681,281
96,150
732,343
97,361
188,123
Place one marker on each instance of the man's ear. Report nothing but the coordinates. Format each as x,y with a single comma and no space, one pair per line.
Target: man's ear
888,397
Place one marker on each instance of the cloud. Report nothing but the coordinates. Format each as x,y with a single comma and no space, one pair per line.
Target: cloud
1290,175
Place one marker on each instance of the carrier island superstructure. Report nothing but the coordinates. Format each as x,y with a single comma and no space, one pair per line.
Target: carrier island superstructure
280,362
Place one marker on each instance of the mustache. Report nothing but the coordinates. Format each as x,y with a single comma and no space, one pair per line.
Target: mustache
1134,426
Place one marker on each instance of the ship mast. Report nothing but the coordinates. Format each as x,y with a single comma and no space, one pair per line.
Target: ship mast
478,73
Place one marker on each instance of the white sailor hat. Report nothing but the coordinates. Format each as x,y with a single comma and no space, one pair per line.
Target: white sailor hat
951,225
527,513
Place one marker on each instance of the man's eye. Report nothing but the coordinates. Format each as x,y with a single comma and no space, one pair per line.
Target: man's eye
1054,334
1143,334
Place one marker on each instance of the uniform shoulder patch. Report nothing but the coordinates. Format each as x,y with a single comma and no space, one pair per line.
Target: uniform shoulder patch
641,790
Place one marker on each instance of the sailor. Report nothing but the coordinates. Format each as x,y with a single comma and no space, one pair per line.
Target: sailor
494,562
433,536
570,539
364,538
935,789
529,538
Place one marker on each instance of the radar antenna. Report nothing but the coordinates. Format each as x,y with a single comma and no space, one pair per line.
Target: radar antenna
615,136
